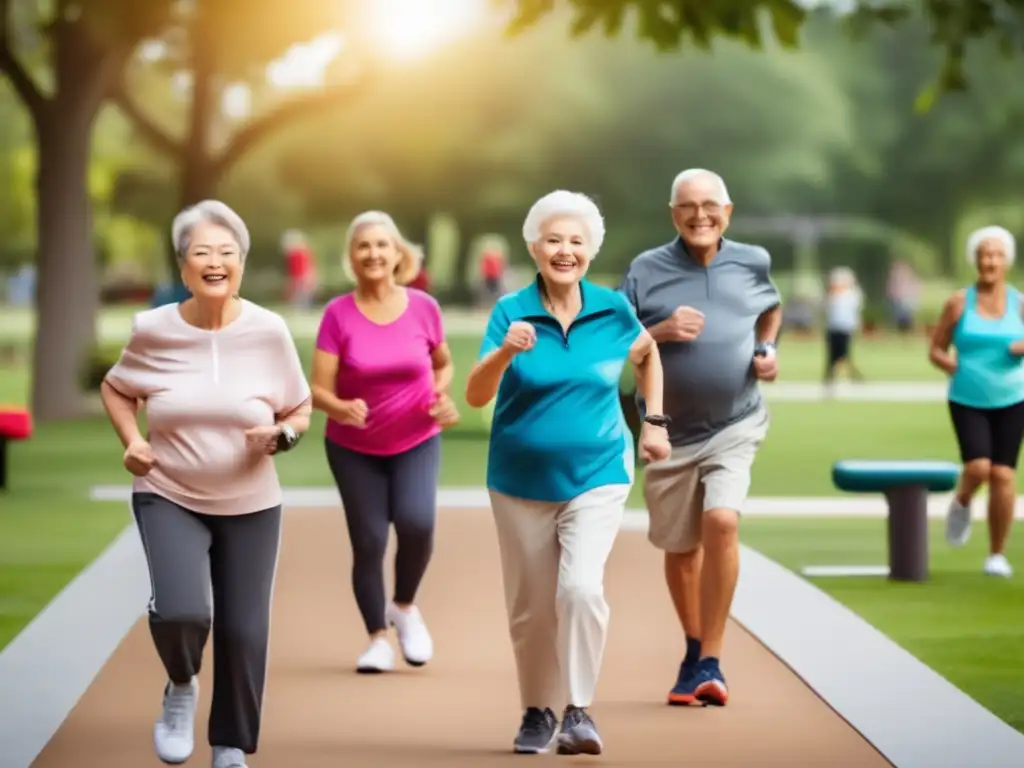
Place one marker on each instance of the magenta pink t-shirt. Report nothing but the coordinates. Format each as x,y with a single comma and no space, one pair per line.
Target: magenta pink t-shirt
387,366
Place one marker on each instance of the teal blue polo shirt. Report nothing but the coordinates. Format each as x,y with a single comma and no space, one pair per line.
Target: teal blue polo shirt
558,429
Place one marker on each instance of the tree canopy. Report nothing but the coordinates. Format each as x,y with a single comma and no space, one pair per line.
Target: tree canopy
670,24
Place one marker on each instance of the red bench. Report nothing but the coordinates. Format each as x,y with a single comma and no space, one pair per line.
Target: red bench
15,424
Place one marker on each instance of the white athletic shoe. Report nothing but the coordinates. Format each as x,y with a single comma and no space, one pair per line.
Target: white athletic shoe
379,657
958,523
998,565
174,732
228,757
413,635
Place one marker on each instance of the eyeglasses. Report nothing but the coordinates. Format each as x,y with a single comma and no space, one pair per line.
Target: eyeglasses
710,207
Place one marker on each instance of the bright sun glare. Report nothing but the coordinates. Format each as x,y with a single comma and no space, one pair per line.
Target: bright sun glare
406,30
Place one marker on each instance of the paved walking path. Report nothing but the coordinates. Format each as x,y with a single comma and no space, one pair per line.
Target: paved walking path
462,709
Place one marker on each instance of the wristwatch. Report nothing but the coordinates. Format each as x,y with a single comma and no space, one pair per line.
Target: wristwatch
765,349
288,438
657,420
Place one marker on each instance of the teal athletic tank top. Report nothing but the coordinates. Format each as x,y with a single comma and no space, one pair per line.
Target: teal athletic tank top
987,375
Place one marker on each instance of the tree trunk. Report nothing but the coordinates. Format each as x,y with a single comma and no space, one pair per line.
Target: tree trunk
200,176
67,298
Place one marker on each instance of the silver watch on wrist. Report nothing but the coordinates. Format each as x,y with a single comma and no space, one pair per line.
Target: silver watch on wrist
287,439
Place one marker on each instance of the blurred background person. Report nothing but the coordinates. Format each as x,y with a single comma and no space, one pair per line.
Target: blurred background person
844,306
300,270
903,289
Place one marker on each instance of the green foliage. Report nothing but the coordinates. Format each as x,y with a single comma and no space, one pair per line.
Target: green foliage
101,358
670,24
673,23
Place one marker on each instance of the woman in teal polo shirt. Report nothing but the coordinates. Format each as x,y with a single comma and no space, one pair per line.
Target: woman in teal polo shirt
985,324
560,464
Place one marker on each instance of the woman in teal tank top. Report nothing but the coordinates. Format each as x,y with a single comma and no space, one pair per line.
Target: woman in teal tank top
985,325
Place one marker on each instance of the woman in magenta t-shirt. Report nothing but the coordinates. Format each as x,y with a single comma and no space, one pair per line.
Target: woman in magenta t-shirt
381,373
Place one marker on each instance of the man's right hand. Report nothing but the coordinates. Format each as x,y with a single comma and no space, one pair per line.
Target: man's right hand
684,324
139,458
520,338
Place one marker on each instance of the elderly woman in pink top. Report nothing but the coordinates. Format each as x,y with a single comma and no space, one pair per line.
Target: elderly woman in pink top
223,390
381,373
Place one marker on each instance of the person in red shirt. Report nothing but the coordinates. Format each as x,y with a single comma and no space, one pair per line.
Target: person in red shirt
301,270
492,270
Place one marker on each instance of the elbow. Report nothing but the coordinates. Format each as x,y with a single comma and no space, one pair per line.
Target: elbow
475,399
476,395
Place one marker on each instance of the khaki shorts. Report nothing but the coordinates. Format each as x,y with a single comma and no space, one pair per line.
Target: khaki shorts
714,474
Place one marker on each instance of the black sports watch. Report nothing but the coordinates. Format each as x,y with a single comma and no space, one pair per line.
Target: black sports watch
288,439
657,420
765,349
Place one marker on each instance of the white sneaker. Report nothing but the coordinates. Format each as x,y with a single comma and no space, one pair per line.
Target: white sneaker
174,732
228,757
379,657
998,565
413,635
958,523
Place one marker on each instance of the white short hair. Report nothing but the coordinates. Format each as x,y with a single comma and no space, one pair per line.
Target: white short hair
842,275
562,202
208,212
696,173
978,236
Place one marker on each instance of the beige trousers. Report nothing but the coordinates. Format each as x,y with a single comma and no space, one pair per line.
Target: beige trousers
553,557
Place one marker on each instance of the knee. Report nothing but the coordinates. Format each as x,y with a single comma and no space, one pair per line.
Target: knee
415,529
1002,476
243,633
369,550
721,528
978,471
576,592
197,617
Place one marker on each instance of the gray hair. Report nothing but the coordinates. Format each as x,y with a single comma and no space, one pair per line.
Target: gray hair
208,212
561,202
410,256
697,173
978,236
842,275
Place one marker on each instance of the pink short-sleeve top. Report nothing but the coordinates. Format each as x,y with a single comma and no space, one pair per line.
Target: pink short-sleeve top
202,390
390,367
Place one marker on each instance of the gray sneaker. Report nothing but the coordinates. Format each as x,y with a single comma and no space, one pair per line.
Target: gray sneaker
579,734
958,523
537,732
228,757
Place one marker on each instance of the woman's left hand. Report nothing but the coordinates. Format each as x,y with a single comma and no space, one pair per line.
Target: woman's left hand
263,439
654,444
444,412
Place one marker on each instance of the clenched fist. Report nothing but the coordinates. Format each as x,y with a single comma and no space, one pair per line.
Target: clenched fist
520,337
139,458
354,413
684,324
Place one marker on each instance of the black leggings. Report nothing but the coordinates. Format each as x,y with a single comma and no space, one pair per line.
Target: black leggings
378,491
989,433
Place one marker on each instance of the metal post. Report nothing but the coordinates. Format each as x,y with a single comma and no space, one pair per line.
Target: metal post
908,533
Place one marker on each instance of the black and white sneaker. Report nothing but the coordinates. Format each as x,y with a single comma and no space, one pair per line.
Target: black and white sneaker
579,734
537,732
